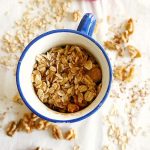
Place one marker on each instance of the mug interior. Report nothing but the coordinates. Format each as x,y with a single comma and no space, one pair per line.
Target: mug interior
42,44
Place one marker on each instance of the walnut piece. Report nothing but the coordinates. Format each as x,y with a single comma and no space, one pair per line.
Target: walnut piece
56,132
11,128
130,26
76,15
17,99
70,134
133,52
124,73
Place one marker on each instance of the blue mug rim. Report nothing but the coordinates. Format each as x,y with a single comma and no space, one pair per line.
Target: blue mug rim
23,97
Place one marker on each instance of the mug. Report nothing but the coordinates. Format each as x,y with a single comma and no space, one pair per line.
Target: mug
43,43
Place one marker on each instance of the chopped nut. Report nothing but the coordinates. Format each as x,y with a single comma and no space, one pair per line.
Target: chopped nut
56,132
76,147
11,128
130,26
133,52
110,45
124,37
70,135
118,73
17,99
76,15
124,73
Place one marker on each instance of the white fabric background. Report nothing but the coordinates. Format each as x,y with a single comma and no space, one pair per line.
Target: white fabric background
91,132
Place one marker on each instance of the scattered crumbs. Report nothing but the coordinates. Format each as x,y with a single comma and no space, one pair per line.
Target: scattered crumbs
2,116
30,26
108,19
120,40
76,147
120,134
38,148
17,99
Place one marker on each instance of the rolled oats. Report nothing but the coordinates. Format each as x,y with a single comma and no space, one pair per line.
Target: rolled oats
66,78
76,147
88,96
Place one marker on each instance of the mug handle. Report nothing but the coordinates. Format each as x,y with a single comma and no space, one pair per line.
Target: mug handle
87,24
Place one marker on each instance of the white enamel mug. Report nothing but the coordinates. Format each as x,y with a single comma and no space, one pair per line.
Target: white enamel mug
54,38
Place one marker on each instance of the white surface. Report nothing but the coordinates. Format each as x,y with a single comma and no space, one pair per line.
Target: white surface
91,132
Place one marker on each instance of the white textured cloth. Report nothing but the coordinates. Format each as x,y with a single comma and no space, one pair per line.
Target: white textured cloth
91,132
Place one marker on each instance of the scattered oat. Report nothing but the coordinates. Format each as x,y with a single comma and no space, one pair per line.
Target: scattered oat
110,45
17,99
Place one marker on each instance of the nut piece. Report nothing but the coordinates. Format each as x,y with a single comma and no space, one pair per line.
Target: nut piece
11,128
56,132
17,99
125,37
110,45
76,15
130,26
70,135
124,73
73,108
95,74
133,52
